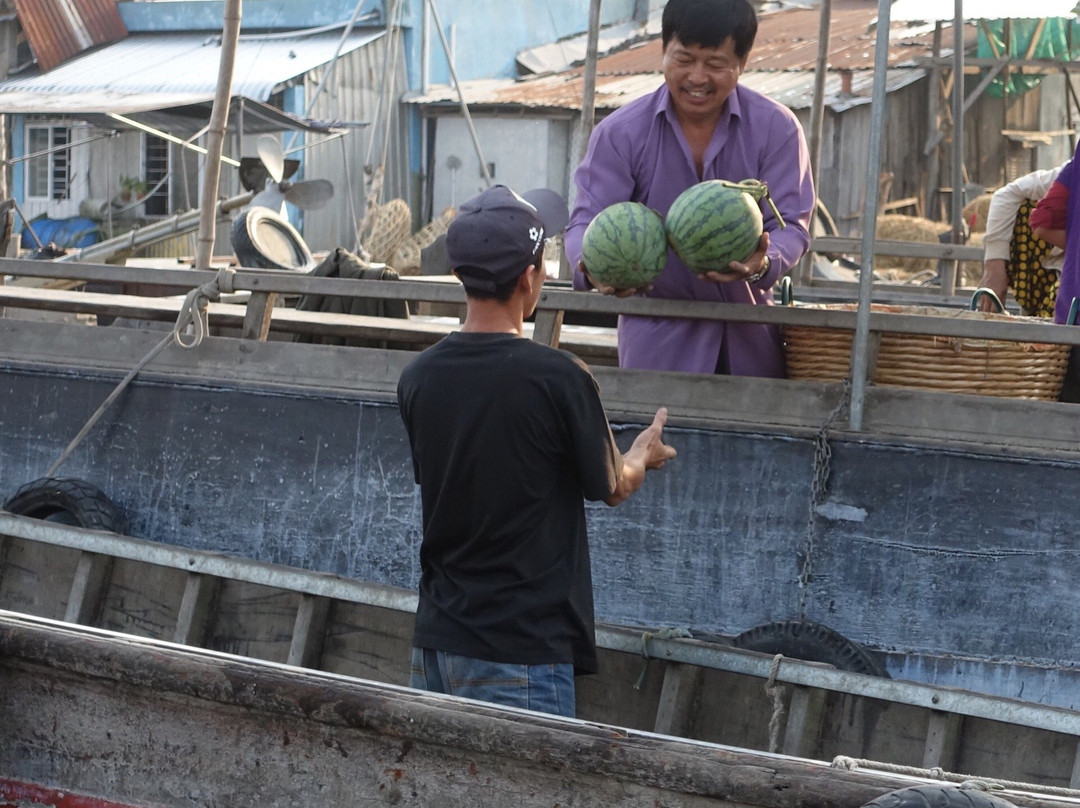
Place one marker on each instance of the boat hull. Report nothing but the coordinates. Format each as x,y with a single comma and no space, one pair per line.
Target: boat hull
945,556
148,723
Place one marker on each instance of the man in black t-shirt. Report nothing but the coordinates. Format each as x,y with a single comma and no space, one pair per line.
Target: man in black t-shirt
509,438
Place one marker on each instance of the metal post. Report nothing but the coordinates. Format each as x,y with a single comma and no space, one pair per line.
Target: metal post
817,115
457,85
861,340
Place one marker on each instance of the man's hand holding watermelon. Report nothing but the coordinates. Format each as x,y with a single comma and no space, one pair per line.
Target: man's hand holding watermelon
750,270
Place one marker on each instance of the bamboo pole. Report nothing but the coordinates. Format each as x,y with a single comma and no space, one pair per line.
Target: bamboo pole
219,117
588,101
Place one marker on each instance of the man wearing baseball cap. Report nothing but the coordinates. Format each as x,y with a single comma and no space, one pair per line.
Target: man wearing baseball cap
509,438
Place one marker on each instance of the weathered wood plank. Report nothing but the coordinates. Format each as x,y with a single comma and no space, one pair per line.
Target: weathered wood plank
87,587
195,609
674,713
1074,780
803,721
547,327
566,300
309,632
943,733
257,317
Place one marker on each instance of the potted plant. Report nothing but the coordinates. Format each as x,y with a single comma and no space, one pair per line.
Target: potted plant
131,188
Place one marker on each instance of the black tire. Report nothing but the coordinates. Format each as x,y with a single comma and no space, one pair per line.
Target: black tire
938,797
263,239
813,642
68,501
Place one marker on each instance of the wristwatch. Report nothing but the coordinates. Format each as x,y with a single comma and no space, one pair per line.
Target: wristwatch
763,270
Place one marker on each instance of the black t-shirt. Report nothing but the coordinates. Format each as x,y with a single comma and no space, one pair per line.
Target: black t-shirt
508,437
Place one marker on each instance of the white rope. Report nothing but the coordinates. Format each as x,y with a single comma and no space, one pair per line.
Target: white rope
776,693
968,781
192,318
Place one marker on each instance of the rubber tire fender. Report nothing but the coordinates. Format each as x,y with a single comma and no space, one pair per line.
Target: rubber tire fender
812,642
66,500
265,240
935,796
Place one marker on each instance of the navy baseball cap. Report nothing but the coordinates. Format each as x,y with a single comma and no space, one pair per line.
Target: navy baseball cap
497,234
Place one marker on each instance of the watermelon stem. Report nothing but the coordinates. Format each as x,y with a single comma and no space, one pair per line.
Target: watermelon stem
758,190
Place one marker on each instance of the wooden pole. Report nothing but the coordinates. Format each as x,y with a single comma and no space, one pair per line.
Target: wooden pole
931,150
588,100
948,268
204,248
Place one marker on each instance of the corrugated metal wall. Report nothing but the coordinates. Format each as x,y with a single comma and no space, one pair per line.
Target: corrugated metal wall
59,30
356,93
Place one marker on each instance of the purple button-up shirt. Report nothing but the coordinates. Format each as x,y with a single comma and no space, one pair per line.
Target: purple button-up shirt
639,153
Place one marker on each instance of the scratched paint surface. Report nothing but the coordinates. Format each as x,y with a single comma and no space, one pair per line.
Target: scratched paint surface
917,550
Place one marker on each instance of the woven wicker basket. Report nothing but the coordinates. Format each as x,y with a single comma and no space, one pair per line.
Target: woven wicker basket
406,259
389,225
925,362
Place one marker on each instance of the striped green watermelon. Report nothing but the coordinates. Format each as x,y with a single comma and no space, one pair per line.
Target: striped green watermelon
625,245
715,222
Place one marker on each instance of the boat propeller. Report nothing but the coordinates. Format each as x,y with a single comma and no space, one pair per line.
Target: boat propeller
268,175
261,235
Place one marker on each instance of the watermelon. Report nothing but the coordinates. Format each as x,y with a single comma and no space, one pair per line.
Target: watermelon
715,222
625,245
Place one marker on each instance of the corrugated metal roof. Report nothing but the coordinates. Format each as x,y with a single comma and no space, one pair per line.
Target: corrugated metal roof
788,40
187,64
792,88
60,29
982,9
181,114
781,65
564,53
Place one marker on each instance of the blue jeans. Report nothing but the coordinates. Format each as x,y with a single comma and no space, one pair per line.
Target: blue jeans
544,688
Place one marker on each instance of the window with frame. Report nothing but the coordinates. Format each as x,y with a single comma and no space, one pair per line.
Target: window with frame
48,173
156,172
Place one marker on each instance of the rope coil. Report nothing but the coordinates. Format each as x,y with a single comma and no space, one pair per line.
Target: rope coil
193,315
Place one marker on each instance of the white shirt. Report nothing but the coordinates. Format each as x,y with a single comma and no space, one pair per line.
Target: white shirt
1001,216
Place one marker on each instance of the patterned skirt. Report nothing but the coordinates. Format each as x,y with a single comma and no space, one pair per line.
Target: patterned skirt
1034,286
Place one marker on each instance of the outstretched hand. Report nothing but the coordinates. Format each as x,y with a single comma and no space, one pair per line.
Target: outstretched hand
651,442
648,452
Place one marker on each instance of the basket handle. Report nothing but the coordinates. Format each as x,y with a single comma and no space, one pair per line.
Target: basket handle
985,291
787,291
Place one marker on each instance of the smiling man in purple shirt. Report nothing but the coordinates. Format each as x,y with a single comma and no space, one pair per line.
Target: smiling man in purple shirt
701,125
